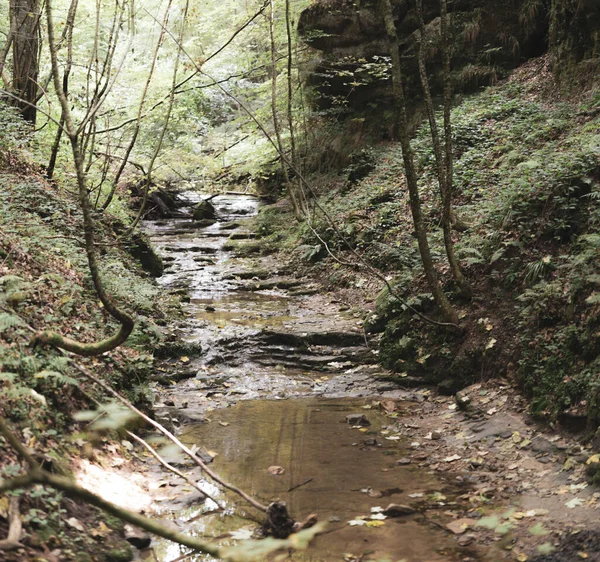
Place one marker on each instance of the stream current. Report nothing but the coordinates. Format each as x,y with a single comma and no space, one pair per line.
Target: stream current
281,368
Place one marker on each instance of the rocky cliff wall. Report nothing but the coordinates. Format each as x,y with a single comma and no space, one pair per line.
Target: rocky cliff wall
351,70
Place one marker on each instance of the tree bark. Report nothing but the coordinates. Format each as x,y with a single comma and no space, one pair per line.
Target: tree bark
409,166
443,159
126,321
25,20
276,126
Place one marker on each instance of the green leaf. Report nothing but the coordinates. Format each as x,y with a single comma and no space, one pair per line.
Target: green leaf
247,551
538,530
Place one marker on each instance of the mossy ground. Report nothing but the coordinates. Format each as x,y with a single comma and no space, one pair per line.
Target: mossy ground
527,184
45,284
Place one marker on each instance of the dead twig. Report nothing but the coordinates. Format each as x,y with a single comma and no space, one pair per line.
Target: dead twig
171,468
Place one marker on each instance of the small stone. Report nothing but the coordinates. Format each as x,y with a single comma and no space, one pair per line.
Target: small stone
462,400
541,445
370,442
398,510
436,435
420,456
209,308
403,461
374,494
466,540
460,526
334,519
276,470
136,537
358,419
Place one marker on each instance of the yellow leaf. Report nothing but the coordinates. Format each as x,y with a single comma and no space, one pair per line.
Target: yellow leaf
583,555
364,429
184,359
522,557
593,459
375,523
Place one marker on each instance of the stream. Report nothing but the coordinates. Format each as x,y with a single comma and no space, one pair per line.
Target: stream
282,367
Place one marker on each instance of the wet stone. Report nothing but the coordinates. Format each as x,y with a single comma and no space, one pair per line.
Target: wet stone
358,419
403,461
136,537
398,510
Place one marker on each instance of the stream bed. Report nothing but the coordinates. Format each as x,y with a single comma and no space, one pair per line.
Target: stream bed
267,400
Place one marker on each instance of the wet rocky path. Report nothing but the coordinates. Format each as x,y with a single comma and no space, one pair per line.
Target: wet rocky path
273,371
263,376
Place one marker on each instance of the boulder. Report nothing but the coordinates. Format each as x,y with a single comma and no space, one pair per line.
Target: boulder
204,211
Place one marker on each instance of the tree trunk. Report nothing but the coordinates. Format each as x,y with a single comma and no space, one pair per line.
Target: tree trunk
290,188
444,160
125,320
409,166
25,20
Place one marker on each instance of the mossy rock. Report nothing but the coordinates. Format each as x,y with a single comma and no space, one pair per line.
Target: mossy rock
143,251
204,211
177,348
592,472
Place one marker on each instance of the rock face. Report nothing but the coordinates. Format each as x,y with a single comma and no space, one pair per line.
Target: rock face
575,38
489,39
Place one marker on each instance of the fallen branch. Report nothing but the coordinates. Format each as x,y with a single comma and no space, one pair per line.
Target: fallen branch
174,439
171,468
71,489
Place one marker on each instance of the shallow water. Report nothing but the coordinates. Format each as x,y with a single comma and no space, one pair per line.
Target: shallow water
269,344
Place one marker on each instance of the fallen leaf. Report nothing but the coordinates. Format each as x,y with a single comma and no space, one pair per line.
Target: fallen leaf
276,470
388,406
452,458
546,548
375,523
594,459
224,424
575,502
76,524
538,530
378,517
491,343
184,359
357,522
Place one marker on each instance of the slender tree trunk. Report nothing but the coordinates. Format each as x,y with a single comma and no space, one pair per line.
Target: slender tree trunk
409,166
25,19
69,38
443,159
276,126
138,121
165,124
126,321
290,116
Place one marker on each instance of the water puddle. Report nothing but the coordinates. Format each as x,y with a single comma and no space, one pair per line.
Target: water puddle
331,469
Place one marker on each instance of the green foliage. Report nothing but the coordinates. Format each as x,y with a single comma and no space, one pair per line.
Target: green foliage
14,132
